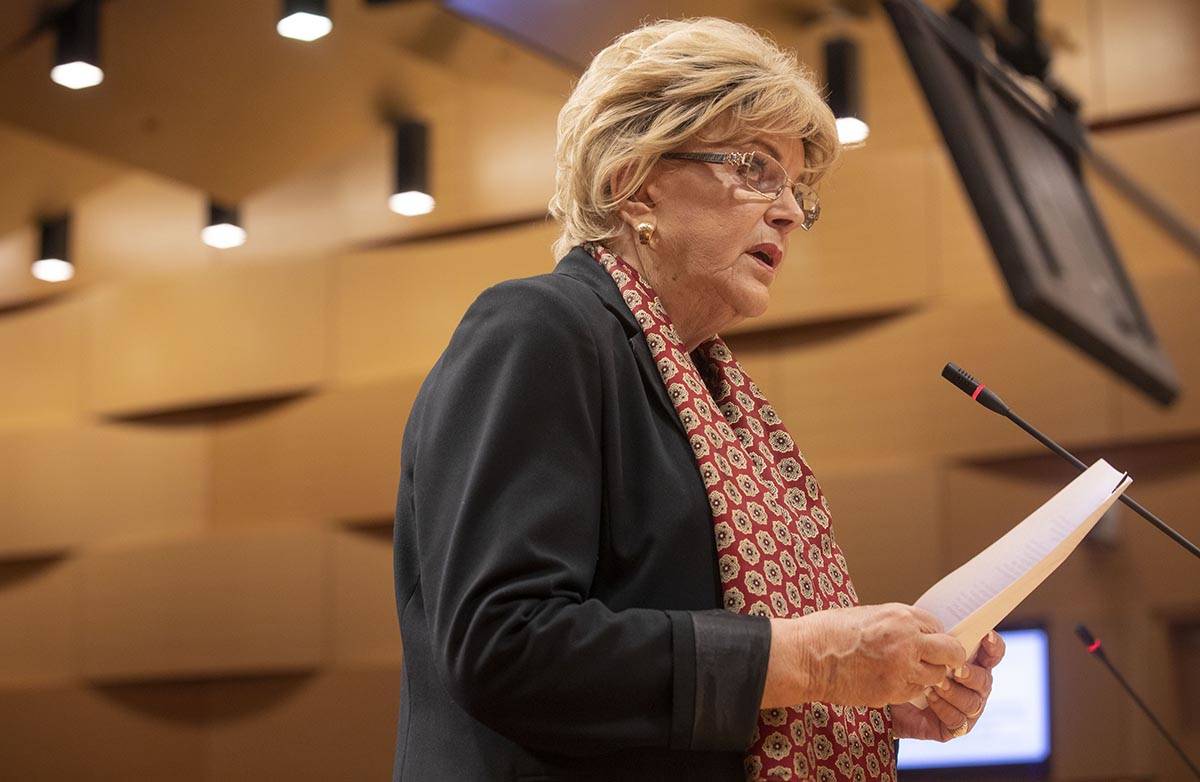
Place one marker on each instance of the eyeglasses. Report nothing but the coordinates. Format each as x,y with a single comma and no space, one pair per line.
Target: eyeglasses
764,175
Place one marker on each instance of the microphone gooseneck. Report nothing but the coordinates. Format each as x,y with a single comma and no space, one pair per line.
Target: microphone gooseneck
989,399
1096,650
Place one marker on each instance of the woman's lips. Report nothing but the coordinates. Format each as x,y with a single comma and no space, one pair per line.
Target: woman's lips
762,263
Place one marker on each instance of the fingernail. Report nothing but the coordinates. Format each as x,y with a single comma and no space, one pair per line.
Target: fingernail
927,691
992,637
960,672
944,685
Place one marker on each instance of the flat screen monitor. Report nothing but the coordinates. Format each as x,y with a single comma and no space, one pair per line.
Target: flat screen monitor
1015,727
1020,166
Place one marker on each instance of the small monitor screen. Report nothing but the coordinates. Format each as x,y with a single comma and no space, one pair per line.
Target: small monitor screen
1015,726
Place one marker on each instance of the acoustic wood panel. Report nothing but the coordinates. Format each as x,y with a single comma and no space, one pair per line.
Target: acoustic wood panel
37,605
339,725
1162,158
142,224
1171,305
1151,54
332,457
396,308
966,267
215,605
65,487
41,174
365,624
41,355
873,386
147,732
204,338
886,517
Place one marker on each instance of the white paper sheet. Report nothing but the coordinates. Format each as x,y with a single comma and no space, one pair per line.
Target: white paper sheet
973,599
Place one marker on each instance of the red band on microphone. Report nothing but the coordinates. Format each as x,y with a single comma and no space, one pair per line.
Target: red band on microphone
978,391
1094,646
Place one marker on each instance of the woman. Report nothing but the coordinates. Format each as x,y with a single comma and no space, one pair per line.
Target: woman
612,561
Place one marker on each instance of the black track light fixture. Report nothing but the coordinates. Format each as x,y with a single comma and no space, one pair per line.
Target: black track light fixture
410,193
53,263
77,46
845,100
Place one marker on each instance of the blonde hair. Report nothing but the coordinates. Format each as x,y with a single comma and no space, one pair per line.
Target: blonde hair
662,85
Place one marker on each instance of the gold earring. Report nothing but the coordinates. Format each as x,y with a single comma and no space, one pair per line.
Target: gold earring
645,232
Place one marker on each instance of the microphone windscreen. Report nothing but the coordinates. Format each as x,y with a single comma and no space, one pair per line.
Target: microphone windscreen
959,377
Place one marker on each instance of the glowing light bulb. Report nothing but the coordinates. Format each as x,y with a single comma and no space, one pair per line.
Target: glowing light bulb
411,203
76,75
53,270
303,26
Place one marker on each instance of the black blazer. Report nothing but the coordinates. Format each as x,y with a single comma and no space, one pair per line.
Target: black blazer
556,575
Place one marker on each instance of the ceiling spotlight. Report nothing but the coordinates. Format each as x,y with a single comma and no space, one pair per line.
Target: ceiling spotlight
841,73
224,229
77,47
54,263
410,195
304,20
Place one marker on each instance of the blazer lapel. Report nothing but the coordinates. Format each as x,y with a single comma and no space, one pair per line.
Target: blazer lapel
580,265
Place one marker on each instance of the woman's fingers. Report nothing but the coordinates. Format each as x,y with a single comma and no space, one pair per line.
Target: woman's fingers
967,701
927,621
950,716
942,649
929,675
975,677
991,650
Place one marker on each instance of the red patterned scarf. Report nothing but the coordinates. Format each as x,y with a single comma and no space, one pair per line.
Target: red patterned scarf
776,558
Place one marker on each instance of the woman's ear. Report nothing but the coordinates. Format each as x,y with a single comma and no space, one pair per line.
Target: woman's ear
637,207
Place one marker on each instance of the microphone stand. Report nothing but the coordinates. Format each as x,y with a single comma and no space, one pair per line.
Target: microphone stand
1096,650
988,398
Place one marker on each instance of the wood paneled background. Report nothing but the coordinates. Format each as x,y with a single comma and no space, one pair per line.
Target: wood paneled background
199,449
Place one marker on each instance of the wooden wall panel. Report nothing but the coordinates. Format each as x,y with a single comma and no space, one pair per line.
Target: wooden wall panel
69,486
1171,304
149,732
141,224
37,608
204,338
874,387
396,309
334,457
365,624
853,389
41,356
1151,54
871,251
1163,158
966,268
221,604
337,726
886,517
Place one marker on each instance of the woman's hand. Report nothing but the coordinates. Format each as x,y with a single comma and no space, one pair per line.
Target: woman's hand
862,656
955,707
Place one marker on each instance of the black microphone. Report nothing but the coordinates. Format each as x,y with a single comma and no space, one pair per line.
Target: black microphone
1096,650
989,399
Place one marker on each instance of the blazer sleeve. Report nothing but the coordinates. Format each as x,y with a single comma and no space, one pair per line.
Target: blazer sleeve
507,498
